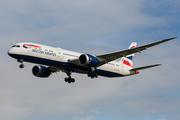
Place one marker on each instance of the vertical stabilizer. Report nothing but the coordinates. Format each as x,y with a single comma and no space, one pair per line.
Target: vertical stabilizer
128,60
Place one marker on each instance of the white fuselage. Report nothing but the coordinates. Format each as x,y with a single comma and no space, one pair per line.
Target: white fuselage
57,57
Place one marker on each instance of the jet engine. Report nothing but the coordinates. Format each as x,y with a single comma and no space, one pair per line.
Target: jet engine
88,60
41,71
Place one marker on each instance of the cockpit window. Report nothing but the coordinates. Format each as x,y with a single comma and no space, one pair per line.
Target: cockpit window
16,46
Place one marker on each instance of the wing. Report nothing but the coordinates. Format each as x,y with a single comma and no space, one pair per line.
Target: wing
105,58
53,69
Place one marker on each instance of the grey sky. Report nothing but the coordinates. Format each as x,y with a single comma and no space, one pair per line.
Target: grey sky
95,27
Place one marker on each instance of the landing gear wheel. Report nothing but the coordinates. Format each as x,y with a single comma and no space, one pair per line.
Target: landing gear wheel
89,74
66,79
92,75
96,75
69,80
21,66
72,80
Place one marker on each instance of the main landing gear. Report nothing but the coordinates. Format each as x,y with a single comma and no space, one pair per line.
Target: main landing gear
92,75
21,61
69,79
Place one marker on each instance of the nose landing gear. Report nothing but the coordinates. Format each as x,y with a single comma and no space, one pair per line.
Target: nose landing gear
21,66
21,61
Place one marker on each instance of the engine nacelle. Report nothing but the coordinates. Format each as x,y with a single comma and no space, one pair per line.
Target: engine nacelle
88,60
41,71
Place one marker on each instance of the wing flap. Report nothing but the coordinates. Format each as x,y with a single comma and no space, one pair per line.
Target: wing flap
53,69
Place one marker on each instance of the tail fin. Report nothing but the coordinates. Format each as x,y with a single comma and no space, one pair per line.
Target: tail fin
128,60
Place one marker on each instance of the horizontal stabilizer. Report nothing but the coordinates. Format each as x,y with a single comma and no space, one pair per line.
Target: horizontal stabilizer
145,67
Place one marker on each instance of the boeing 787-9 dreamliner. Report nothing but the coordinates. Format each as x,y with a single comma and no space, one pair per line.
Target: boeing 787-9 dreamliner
51,60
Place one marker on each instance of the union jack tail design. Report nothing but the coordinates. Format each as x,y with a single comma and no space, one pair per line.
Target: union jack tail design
128,60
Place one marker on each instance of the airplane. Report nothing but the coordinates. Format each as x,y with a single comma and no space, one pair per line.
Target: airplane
52,60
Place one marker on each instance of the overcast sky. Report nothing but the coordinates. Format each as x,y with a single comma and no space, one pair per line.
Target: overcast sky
96,27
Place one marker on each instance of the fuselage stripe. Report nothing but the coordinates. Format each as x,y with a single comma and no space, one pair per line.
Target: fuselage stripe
30,45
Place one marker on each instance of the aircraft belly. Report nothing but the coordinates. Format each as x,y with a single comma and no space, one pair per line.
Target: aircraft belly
105,70
109,71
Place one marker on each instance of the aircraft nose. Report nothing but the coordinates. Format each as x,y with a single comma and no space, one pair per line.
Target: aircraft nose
10,52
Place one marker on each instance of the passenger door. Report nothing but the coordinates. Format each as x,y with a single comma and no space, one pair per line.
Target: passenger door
59,54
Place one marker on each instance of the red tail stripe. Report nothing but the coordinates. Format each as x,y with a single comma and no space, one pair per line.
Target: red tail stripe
133,46
126,62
